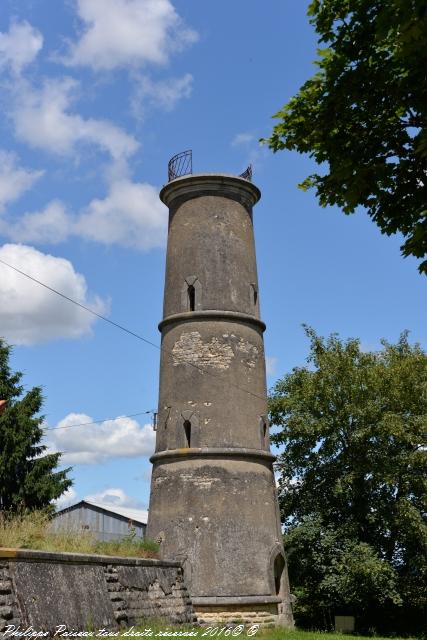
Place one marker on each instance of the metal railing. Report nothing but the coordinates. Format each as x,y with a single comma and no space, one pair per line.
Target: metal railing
182,165
247,174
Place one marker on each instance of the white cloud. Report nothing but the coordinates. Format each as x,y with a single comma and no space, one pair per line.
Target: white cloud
270,365
67,499
131,216
113,497
242,139
29,313
51,225
42,119
164,94
94,443
14,180
19,46
131,33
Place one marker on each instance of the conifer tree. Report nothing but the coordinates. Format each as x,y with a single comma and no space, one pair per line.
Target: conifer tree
28,479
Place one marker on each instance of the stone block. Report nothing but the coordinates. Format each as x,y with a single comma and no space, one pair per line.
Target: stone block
6,613
5,586
116,596
120,616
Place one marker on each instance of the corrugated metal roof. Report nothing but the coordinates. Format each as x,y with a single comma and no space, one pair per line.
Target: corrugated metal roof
138,515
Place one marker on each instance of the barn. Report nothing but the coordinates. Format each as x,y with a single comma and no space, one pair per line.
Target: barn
105,522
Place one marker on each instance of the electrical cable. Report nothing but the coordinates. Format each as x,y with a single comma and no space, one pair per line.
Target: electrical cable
82,306
122,328
85,424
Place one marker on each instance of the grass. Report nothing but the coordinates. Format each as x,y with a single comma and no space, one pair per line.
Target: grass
278,633
33,531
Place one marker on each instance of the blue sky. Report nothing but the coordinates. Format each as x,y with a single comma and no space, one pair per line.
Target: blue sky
96,96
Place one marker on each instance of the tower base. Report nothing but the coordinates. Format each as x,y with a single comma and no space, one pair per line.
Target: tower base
263,614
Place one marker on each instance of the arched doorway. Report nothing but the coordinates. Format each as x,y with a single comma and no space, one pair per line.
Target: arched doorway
278,569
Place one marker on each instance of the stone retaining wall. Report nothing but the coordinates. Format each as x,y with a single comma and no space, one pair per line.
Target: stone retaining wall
44,590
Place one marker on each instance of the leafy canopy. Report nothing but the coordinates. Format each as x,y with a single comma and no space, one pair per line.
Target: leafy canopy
28,479
353,477
363,115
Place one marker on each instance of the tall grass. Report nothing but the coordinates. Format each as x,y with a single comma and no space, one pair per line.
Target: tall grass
32,531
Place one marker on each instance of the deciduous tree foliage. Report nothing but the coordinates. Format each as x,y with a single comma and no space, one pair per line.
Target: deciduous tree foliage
363,115
28,479
353,482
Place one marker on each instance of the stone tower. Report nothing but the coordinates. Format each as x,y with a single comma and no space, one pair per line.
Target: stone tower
213,503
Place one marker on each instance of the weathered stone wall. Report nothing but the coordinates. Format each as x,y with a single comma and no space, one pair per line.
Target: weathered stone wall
204,363
44,590
223,530
153,592
9,613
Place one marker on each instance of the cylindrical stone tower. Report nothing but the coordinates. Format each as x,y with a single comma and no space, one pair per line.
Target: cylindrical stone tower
213,502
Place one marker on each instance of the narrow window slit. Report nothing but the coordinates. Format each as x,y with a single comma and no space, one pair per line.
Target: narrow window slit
263,427
191,297
253,293
187,432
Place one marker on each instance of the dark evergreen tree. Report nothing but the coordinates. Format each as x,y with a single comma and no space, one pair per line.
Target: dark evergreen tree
28,479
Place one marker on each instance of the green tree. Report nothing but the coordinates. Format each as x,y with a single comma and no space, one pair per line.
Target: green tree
363,115
28,479
353,480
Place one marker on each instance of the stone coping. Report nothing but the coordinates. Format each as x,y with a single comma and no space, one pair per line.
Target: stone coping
213,452
195,185
34,555
212,314
217,601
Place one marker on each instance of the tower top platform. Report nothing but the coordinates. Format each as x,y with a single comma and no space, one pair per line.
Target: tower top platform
194,185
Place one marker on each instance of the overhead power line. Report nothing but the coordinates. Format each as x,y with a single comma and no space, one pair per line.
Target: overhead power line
85,424
79,304
122,328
